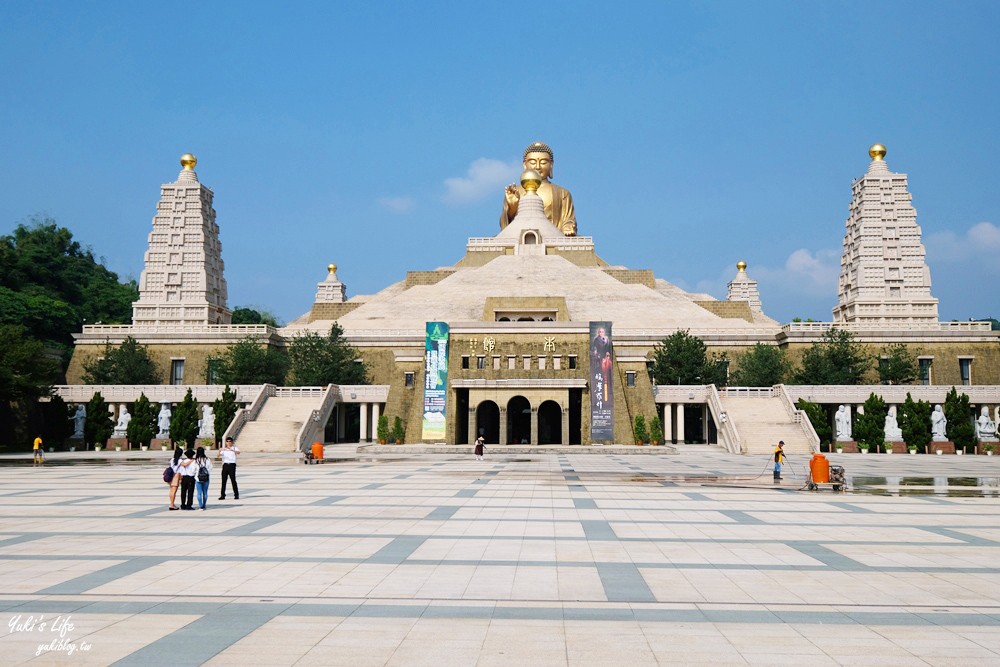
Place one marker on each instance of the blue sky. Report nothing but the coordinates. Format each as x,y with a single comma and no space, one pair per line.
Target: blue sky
378,137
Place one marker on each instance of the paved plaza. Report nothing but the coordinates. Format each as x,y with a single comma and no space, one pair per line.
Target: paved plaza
552,559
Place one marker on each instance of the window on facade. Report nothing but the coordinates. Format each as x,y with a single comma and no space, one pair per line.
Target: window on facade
465,361
541,363
925,371
496,363
883,367
408,379
965,370
176,371
511,362
480,362
556,363
572,361
527,362
212,371
629,378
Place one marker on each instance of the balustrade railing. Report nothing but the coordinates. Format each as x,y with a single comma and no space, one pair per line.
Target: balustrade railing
249,413
312,427
726,427
799,417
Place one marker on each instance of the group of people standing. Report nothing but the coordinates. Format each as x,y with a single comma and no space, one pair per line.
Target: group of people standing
192,470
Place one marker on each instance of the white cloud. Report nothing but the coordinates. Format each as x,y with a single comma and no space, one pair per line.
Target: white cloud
979,244
397,204
805,272
484,177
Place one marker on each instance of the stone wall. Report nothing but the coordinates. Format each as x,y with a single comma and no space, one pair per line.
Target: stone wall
195,360
738,310
331,311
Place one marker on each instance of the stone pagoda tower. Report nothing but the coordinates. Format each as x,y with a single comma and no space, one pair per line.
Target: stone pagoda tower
884,276
744,288
182,282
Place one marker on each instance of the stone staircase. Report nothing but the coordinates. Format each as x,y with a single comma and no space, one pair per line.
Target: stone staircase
277,424
762,420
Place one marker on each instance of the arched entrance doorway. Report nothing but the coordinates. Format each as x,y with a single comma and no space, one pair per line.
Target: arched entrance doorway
518,421
488,422
549,423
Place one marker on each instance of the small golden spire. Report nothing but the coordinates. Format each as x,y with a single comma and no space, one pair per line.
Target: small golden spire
877,152
741,265
188,161
332,268
530,180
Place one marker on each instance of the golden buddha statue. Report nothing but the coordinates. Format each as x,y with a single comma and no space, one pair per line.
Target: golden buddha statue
557,200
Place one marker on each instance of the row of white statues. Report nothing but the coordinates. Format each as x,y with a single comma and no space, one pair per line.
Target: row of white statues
986,428
206,425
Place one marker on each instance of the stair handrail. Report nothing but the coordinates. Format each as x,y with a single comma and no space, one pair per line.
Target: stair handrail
317,418
799,417
249,413
725,425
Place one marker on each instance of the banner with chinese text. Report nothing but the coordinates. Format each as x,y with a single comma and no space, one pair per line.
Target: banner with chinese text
435,381
602,397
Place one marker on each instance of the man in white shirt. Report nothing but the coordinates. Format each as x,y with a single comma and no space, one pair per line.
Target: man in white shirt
187,472
229,452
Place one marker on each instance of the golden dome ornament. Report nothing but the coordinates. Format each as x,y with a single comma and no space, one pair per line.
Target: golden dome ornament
188,161
741,265
877,152
531,180
332,268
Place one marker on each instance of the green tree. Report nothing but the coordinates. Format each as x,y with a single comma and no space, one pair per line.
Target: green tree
655,429
57,421
129,363
142,429
836,359
51,284
960,429
224,408
869,427
639,430
26,374
761,366
819,419
398,433
98,424
382,430
248,315
915,422
184,421
897,365
317,361
681,358
250,361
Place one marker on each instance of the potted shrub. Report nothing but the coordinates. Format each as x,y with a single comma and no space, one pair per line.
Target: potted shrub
840,448
164,447
988,449
655,430
913,449
639,431
382,430
398,432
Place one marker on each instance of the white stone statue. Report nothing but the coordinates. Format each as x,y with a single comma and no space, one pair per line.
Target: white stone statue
163,421
121,428
206,425
938,424
986,428
892,431
843,419
79,418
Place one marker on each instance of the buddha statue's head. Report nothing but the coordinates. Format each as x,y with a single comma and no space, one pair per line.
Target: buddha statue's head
538,156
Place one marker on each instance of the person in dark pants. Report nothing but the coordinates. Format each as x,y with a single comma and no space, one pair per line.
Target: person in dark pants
229,453
188,471
779,458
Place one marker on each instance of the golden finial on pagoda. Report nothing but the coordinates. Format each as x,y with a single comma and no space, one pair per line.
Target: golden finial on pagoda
741,265
332,268
188,161
877,152
530,180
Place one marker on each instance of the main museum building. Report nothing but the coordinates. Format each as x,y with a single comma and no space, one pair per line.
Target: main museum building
532,338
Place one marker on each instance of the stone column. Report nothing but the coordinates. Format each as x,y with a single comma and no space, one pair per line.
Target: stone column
534,426
704,422
680,423
363,436
503,426
473,431
565,424
376,410
341,421
668,421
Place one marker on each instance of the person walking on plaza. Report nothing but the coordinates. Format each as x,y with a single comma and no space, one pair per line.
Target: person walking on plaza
175,481
188,472
39,456
229,453
779,458
204,467
480,448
